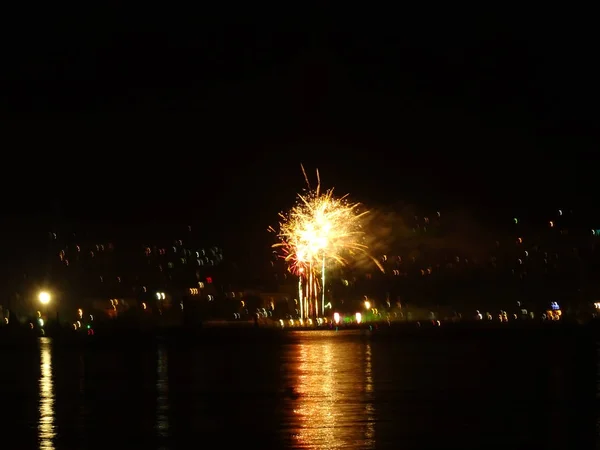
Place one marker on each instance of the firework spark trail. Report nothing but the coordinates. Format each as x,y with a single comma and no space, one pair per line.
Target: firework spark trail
319,228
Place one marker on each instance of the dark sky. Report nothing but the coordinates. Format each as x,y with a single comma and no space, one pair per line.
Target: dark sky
119,117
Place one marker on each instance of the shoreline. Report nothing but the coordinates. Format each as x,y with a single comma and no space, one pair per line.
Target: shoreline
242,333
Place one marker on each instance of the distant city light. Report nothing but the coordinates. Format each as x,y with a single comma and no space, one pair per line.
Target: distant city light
336,318
44,297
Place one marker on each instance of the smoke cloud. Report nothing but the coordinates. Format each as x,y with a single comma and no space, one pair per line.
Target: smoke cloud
408,231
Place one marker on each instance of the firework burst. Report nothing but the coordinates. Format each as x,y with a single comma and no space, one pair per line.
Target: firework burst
320,228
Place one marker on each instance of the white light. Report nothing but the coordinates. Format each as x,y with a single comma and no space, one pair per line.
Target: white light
44,298
336,318
358,317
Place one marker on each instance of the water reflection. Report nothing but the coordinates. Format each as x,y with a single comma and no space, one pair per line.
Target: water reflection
597,393
46,428
162,392
369,408
334,408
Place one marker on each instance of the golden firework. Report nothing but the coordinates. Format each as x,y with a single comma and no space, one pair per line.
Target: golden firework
320,228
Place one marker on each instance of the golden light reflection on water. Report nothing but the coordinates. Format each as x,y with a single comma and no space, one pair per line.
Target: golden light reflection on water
162,392
334,408
46,428
369,408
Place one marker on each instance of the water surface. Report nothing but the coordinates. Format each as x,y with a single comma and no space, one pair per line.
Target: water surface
308,390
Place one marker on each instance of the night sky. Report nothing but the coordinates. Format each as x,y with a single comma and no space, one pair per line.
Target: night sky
120,120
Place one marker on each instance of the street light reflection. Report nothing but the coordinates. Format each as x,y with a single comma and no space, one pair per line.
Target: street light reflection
162,391
46,428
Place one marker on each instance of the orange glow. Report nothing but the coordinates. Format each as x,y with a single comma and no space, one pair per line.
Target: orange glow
44,297
335,388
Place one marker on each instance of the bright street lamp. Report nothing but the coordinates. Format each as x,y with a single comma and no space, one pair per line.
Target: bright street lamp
44,297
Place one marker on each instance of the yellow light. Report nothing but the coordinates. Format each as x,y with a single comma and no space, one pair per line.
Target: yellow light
321,229
321,226
44,297
367,304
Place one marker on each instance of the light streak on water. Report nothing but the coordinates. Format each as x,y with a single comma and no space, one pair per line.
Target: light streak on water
46,427
334,408
162,393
